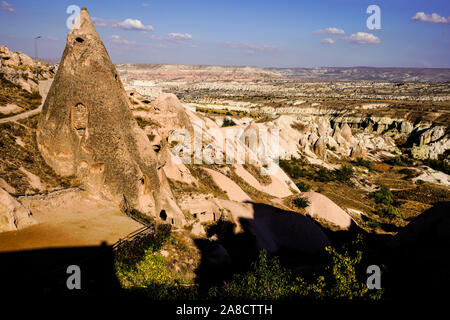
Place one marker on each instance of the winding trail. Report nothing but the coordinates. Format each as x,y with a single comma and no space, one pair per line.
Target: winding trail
44,87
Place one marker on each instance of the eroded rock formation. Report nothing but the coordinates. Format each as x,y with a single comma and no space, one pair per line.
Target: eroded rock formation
86,129
13,215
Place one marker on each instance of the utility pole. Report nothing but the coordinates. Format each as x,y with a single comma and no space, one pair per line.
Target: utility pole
36,58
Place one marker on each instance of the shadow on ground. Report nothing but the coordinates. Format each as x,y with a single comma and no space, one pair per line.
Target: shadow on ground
415,262
296,239
44,272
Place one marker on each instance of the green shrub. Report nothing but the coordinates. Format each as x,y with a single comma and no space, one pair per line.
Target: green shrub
399,161
373,224
294,169
389,211
344,173
301,202
35,95
130,252
388,205
332,148
323,175
228,122
364,163
298,126
303,187
268,280
340,280
151,269
409,173
383,196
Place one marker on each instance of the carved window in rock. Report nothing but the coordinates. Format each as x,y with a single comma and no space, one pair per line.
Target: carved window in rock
80,118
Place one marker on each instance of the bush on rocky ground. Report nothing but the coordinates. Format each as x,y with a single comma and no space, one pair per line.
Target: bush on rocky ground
269,280
301,203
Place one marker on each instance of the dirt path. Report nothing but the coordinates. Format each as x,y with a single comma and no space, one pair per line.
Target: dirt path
44,87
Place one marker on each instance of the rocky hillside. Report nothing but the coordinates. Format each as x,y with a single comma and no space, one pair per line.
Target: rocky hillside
366,73
21,70
193,73
18,84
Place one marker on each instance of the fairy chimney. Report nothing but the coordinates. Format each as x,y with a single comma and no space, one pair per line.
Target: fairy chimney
86,129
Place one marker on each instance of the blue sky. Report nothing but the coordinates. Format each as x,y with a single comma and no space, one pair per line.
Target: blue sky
279,33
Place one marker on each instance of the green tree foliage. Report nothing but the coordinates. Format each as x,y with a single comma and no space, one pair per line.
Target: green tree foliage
303,187
383,195
344,173
130,252
301,202
360,162
227,122
389,212
142,270
399,161
295,168
388,205
268,280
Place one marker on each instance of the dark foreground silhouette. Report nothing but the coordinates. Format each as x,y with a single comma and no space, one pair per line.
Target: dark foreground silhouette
415,262
44,272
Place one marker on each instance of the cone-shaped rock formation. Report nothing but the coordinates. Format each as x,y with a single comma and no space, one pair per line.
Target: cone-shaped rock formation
86,129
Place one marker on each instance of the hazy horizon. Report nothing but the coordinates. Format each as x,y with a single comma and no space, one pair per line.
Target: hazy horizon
286,34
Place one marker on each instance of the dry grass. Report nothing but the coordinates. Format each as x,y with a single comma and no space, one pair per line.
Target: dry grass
145,122
255,194
427,193
256,172
11,93
382,167
15,156
207,184
298,126
180,188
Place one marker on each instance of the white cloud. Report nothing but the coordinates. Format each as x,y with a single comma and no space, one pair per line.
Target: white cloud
118,39
432,18
251,48
329,31
327,41
362,38
127,24
7,7
155,37
132,24
172,37
179,36
144,4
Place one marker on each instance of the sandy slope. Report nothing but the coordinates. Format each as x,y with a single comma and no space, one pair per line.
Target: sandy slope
69,219
234,192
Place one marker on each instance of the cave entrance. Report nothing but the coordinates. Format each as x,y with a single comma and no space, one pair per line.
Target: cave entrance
163,215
